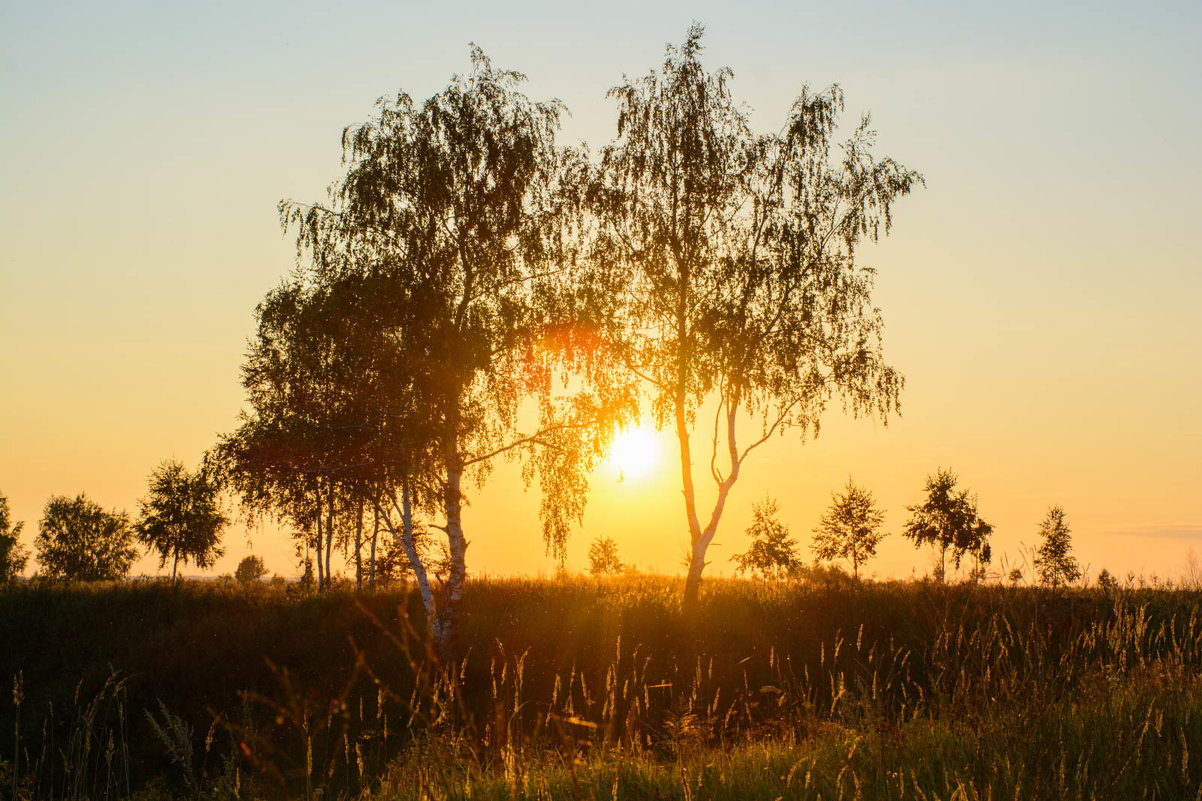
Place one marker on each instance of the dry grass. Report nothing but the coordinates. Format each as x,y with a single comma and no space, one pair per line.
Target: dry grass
584,688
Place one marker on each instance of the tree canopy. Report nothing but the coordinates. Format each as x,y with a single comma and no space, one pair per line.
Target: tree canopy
181,517
13,555
434,303
77,539
603,558
948,520
250,570
773,553
850,529
734,255
1054,560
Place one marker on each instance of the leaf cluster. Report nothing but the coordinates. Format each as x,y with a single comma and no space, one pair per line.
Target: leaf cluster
13,555
181,516
850,529
77,539
740,247
1054,561
603,558
948,520
773,553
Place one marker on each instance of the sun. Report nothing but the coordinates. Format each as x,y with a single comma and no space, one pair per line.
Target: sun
634,453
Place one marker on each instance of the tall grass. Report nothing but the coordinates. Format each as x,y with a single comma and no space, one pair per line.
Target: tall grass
586,688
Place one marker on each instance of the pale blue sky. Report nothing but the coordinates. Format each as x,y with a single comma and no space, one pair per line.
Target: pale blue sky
1041,294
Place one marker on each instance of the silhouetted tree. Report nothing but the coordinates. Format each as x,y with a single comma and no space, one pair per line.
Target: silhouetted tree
603,559
315,441
438,281
250,570
13,555
181,517
77,539
773,553
850,529
948,520
731,256
1054,561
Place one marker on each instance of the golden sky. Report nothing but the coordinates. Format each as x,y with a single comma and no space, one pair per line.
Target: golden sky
1041,294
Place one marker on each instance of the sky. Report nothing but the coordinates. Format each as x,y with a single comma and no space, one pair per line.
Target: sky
1040,295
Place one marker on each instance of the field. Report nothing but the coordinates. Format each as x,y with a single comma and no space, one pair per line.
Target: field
581,688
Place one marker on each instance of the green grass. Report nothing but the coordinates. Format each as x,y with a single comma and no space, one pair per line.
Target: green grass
572,688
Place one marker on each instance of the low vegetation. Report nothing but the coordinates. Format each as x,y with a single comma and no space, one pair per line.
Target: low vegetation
600,688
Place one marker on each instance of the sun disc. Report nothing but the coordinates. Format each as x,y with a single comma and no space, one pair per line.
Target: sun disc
633,453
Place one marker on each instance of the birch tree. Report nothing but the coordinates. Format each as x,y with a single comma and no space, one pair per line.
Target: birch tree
948,520
850,529
465,208
737,255
181,517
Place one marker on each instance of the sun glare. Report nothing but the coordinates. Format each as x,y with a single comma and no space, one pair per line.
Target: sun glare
634,453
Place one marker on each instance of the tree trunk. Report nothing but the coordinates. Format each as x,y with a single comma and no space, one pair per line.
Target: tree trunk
359,549
329,533
692,583
700,539
375,535
320,574
174,565
409,545
457,546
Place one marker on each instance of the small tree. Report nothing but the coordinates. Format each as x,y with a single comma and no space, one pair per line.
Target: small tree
181,517
1054,561
773,553
603,557
948,520
850,529
250,570
13,556
77,539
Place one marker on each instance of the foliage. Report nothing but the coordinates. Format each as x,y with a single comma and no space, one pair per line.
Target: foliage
603,559
312,449
13,555
181,517
1054,561
77,539
773,553
850,529
948,520
730,257
1107,582
250,570
434,298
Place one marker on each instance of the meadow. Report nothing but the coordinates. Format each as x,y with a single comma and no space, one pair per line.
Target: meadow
582,688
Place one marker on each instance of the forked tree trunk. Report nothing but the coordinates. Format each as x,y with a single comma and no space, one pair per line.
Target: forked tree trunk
700,538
